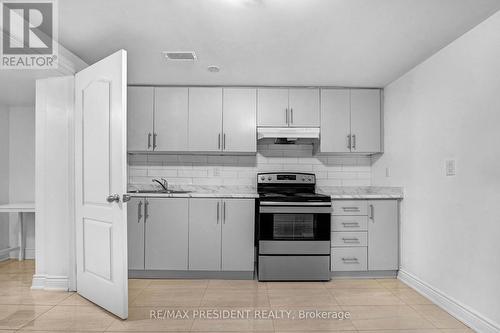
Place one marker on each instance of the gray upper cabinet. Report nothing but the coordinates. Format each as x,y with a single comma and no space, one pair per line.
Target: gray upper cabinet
283,107
335,120
171,119
140,118
135,233
351,121
205,119
383,242
365,120
303,104
272,107
239,120
205,234
238,220
166,241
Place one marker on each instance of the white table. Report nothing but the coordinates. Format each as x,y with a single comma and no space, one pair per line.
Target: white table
19,208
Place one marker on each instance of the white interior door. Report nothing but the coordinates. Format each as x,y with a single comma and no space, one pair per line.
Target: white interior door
100,179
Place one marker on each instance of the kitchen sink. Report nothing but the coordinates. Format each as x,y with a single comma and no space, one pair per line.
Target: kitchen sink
160,191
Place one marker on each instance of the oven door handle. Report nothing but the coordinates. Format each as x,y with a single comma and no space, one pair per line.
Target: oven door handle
295,210
297,204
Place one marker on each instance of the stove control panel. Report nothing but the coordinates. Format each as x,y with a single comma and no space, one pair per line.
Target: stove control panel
286,178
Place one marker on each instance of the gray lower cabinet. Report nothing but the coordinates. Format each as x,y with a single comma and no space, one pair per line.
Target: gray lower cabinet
166,241
365,235
135,233
221,234
383,235
157,233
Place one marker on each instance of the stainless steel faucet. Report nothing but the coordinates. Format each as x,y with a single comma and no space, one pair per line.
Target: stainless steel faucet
163,183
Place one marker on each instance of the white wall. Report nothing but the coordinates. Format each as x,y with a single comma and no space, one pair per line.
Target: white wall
449,108
242,170
4,178
22,170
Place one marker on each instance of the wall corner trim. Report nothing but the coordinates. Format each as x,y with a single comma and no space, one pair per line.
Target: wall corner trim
50,282
471,318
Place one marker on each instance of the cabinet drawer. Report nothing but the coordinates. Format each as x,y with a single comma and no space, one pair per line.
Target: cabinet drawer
349,207
349,259
349,238
349,223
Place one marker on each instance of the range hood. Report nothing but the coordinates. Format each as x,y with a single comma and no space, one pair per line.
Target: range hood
288,135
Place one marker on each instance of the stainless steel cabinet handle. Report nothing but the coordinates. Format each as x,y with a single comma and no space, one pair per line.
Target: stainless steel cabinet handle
286,116
350,240
139,213
350,224
217,212
218,142
146,210
348,141
224,212
113,198
350,260
355,209
154,140
224,141
149,140
354,141
291,115
372,212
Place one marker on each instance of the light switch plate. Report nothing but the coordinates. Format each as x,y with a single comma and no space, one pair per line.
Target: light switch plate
450,168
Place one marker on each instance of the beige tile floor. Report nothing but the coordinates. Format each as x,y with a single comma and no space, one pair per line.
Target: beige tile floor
374,305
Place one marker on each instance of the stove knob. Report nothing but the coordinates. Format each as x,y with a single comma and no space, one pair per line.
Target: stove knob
303,179
269,178
262,178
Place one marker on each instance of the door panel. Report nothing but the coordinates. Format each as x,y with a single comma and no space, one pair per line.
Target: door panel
335,121
135,233
140,118
383,234
171,119
205,119
205,234
238,221
100,171
167,234
365,120
272,107
240,120
304,107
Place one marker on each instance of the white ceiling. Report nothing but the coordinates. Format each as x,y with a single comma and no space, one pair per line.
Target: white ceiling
267,42
259,42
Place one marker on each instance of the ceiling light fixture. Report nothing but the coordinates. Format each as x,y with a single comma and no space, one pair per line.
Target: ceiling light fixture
213,69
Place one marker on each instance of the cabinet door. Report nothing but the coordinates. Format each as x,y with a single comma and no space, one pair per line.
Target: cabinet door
171,119
335,121
304,107
135,233
365,120
167,233
272,107
140,118
205,234
238,220
205,119
240,120
383,247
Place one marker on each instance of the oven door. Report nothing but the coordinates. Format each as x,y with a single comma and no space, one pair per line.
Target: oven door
297,223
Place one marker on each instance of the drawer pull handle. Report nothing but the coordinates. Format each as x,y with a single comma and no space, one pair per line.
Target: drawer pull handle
350,260
351,208
350,224
351,239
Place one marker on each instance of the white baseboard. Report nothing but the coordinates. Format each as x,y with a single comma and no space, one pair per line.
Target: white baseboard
50,282
471,318
28,254
4,257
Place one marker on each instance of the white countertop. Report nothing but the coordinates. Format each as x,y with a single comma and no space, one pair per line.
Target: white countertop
21,207
335,192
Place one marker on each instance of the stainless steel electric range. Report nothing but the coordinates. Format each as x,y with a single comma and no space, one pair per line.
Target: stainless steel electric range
292,228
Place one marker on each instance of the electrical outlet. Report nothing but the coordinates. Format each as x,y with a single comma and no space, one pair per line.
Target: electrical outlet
450,168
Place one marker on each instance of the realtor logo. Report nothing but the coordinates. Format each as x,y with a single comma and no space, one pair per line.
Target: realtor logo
29,34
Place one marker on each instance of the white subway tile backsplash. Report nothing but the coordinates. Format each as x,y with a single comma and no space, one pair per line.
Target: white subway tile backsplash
242,170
